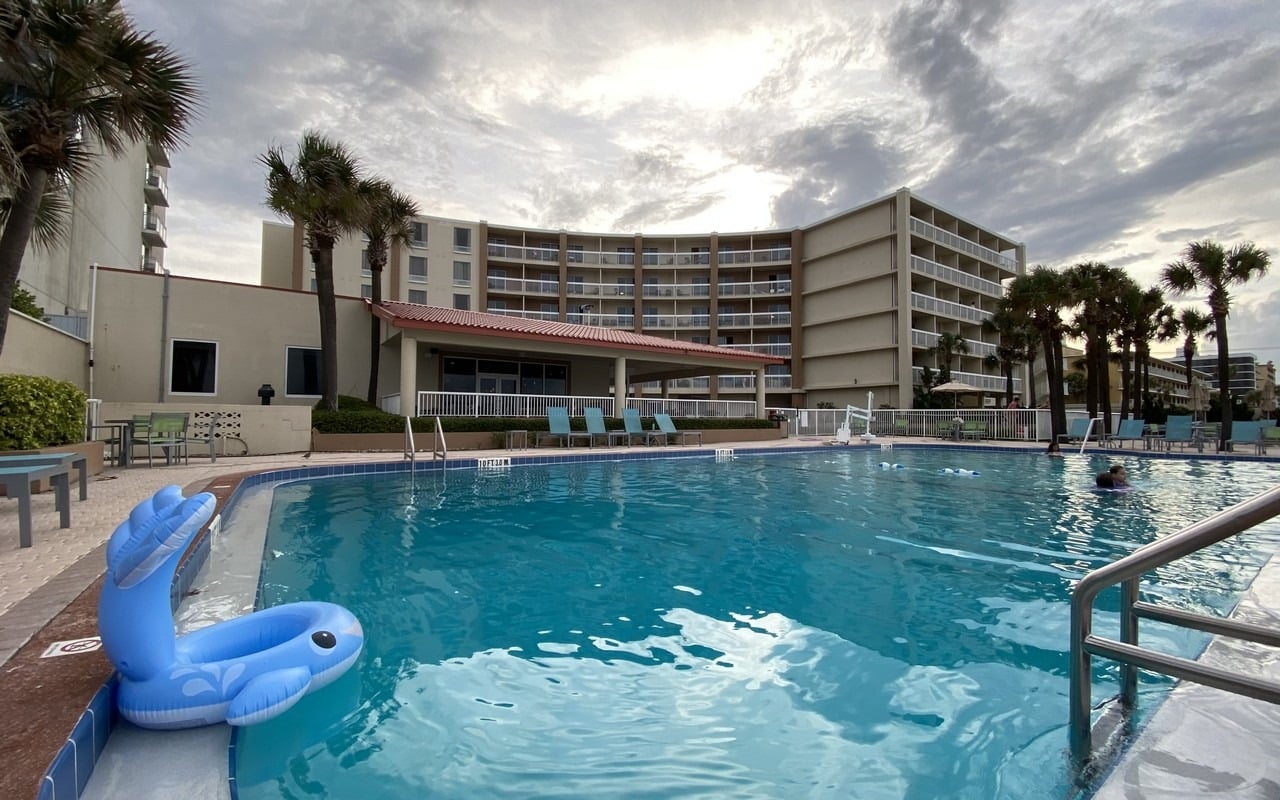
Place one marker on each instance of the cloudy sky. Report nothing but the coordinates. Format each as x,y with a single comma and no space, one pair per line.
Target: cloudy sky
1091,130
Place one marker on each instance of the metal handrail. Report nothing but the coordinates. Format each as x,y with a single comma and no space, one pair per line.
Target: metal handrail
410,449
439,448
1125,572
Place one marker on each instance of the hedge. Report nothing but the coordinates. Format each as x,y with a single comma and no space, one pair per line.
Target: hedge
36,412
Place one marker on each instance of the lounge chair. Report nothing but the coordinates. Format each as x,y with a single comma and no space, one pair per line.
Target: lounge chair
1244,433
1270,436
560,430
632,427
1130,430
973,430
1077,431
1177,430
666,426
595,426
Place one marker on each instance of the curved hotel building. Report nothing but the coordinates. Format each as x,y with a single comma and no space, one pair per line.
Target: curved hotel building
853,303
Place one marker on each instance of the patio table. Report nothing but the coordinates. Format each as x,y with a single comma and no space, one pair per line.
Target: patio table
17,480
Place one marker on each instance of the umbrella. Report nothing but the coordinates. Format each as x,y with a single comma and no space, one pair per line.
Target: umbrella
956,388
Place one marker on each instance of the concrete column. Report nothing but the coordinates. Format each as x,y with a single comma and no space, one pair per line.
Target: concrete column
619,385
408,375
760,393
666,390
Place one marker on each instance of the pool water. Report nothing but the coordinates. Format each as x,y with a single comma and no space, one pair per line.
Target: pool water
784,626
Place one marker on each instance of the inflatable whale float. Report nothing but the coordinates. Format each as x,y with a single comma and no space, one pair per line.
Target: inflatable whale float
242,671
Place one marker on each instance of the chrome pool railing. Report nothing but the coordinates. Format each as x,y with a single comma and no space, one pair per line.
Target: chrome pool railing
1125,573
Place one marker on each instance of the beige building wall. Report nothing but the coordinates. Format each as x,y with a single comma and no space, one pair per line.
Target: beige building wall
251,326
105,226
34,348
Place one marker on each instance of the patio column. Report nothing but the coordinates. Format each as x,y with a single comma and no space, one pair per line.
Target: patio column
408,375
666,389
760,393
619,385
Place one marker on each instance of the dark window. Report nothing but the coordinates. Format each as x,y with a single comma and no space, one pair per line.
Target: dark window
193,367
459,375
462,302
418,296
303,372
556,379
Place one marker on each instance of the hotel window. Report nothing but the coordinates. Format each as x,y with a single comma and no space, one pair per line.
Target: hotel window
418,296
462,240
650,255
548,282
417,269
418,234
462,302
575,254
193,367
550,309
497,246
700,339
576,285
701,255
303,372
626,255
365,269
366,290
462,273
497,305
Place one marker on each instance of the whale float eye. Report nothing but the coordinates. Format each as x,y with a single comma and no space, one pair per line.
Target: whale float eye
324,639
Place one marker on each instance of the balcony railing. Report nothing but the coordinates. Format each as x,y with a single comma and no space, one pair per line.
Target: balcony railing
780,349
520,286
955,242
987,383
765,319
525,313
926,339
468,404
753,288
946,308
775,255
154,188
723,383
933,269
153,230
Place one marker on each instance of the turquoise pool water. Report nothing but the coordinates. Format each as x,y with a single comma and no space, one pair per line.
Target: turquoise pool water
770,627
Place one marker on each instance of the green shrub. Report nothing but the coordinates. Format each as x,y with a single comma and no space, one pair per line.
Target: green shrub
25,302
36,412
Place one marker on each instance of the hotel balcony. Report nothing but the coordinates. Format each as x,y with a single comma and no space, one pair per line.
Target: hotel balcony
993,384
518,286
157,154
932,269
767,257
781,349
155,190
724,383
583,289
946,308
754,288
765,319
927,340
958,243
153,231
552,316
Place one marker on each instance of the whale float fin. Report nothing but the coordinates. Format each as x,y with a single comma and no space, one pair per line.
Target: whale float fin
268,695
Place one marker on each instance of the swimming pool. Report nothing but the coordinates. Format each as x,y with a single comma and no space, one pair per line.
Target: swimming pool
780,626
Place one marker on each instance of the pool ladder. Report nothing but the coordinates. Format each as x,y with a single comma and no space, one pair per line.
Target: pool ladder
1125,573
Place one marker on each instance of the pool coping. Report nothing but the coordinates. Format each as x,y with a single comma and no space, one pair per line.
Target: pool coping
69,763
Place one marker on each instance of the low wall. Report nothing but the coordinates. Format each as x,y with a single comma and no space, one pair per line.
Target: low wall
242,429
32,347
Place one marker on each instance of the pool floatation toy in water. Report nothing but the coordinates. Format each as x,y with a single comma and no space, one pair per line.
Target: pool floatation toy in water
242,671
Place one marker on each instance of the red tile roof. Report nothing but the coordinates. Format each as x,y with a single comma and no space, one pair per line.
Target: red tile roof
420,317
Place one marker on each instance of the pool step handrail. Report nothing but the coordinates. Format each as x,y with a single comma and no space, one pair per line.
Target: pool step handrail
1088,430
1125,573
410,449
439,448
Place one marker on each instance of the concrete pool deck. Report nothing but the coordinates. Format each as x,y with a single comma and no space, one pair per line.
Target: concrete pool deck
44,597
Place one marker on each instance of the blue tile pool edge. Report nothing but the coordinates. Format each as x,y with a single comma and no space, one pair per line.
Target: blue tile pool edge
102,707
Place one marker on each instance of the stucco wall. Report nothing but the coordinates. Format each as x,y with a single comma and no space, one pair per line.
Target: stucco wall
264,430
252,327
34,348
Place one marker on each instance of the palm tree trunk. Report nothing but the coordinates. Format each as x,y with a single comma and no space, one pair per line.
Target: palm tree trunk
1225,405
322,256
1127,392
17,232
1031,378
1188,349
375,331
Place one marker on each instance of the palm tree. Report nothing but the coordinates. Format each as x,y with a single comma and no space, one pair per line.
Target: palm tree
319,190
947,346
1039,297
1014,333
388,221
1143,314
1096,288
74,72
1209,266
1192,323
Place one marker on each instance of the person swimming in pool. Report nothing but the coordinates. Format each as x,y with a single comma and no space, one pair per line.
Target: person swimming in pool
1114,478
1053,451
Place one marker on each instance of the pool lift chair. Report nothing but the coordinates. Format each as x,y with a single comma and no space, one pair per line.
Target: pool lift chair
845,432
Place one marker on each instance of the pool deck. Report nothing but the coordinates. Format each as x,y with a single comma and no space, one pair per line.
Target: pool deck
48,594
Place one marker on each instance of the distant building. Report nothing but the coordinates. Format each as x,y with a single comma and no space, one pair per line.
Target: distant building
854,302
1242,368
117,219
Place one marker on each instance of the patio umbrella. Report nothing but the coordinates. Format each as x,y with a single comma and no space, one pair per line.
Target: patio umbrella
956,388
